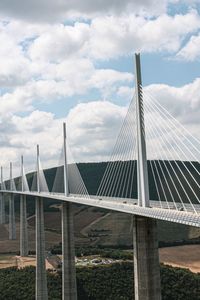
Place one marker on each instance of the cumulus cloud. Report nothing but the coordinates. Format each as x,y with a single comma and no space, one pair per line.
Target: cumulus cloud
92,127
50,10
182,102
68,82
111,36
60,42
125,92
123,35
173,97
15,68
58,52
190,51
43,61
22,134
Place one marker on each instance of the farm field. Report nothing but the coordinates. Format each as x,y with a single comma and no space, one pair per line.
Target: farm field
187,256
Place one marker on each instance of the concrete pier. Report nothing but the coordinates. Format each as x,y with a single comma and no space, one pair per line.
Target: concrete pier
2,201
2,209
69,290
41,277
23,227
146,259
12,225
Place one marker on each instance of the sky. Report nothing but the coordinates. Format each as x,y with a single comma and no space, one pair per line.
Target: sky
73,61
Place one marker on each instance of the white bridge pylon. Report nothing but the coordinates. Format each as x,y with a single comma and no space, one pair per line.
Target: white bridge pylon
173,170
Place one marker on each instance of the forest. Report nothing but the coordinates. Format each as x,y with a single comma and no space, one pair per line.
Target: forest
108,282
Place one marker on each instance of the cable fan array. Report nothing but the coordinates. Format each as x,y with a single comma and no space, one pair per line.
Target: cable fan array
10,183
76,185
173,159
75,182
43,187
119,179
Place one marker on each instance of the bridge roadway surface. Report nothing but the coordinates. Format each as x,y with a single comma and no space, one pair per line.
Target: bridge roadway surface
129,206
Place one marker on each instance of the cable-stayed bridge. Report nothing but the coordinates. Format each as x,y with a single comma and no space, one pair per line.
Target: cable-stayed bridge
153,173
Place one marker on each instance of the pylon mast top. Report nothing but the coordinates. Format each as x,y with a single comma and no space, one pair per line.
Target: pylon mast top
142,171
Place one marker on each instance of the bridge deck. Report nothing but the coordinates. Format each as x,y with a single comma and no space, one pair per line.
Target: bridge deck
128,206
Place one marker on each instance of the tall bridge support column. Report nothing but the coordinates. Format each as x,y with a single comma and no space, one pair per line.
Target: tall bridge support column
2,209
69,291
41,277
146,259
12,225
23,227
2,201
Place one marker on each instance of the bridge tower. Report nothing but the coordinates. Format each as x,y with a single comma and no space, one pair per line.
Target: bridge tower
23,216
146,258
41,277
12,225
2,201
69,290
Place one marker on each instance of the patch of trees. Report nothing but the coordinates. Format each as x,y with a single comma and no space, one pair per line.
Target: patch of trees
106,252
107,282
194,241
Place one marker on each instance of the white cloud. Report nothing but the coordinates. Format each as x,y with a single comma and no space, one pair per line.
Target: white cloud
22,134
42,62
15,68
41,11
19,30
125,92
92,128
172,97
111,36
106,79
69,78
190,51
114,36
60,42
60,53
182,102
164,106
50,10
